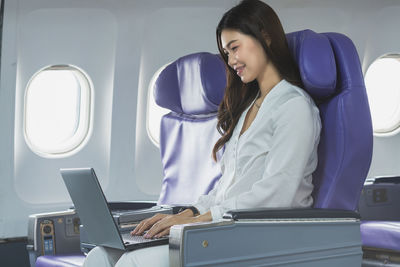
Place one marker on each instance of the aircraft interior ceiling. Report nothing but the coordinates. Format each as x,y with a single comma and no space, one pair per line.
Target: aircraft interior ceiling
115,47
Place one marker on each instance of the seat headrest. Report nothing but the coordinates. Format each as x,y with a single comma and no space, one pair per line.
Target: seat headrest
192,85
316,60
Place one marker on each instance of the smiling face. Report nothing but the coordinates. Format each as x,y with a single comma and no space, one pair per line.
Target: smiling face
245,55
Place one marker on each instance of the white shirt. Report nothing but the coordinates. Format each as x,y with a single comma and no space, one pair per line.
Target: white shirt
271,164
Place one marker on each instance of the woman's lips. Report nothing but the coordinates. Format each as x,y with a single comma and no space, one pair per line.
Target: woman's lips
240,70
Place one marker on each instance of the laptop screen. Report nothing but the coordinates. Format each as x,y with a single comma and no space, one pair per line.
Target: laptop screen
91,206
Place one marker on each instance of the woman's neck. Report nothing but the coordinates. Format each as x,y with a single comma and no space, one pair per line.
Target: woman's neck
268,80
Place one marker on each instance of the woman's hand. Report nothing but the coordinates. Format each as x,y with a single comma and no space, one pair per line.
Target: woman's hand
147,224
163,226
160,224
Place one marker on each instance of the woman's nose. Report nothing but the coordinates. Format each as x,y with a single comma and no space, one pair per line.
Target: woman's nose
231,60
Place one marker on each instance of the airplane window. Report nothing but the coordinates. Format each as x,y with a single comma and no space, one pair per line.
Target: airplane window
57,110
382,81
154,111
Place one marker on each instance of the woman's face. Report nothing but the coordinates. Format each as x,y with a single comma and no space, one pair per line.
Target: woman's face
245,55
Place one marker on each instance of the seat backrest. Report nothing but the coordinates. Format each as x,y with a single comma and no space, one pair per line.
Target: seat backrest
191,88
331,73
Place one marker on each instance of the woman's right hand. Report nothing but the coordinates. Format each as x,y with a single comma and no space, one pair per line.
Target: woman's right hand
148,223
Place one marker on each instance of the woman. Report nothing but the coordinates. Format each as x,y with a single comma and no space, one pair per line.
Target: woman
270,129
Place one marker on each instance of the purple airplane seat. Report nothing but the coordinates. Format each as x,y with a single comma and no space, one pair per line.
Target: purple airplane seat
333,77
191,88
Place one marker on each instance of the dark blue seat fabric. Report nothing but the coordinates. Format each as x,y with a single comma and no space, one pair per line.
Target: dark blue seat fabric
331,73
344,156
192,88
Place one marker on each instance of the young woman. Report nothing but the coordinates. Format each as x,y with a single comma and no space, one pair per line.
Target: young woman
270,129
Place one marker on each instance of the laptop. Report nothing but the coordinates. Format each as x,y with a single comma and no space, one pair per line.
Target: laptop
94,213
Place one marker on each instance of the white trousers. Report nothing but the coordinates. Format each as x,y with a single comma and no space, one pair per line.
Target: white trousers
157,256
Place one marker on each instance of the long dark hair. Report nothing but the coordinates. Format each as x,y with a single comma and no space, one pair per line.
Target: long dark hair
256,19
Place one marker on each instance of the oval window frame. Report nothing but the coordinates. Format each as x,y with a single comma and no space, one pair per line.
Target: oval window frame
394,128
84,129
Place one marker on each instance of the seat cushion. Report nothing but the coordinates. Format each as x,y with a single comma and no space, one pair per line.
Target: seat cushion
61,261
381,234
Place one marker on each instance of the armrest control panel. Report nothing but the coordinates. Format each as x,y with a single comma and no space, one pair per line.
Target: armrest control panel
53,233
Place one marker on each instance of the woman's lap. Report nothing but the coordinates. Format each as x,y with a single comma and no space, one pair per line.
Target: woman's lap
157,256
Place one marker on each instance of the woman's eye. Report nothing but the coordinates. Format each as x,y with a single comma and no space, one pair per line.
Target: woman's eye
234,48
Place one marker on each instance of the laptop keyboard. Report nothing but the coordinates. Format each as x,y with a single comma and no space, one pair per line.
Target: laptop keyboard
129,239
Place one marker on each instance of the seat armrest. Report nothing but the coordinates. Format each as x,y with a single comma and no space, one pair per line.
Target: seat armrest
306,213
266,236
60,237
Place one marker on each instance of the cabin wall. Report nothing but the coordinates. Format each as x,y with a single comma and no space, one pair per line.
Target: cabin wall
121,44
118,45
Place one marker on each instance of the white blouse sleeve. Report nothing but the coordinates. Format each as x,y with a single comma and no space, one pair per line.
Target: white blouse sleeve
296,136
205,202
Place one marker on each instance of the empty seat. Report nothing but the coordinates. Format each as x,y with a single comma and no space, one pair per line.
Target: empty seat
192,88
